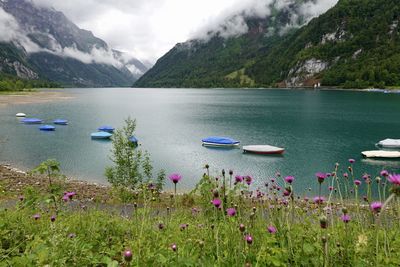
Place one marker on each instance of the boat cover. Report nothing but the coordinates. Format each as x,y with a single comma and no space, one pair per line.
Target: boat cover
47,128
59,121
381,154
389,142
106,129
220,140
133,139
31,120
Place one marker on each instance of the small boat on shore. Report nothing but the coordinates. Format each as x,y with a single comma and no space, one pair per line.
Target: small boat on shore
381,154
263,149
108,129
217,141
20,115
101,135
47,128
31,121
389,143
60,122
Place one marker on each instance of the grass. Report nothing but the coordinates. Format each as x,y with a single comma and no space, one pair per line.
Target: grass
149,223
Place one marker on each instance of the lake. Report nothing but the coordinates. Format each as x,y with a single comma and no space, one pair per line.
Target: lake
317,128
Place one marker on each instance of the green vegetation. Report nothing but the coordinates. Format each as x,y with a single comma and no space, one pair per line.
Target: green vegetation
222,222
9,83
359,40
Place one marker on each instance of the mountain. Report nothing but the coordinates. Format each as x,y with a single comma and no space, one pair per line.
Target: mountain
355,44
44,43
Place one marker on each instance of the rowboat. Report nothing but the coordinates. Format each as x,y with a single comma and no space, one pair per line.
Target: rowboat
20,115
263,149
47,128
60,122
389,143
101,135
133,140
31,121
108,129
217,141
381,154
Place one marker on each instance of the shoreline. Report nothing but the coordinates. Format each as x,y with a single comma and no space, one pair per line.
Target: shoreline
33,97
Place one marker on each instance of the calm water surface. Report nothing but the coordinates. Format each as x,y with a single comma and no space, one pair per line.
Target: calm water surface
317,128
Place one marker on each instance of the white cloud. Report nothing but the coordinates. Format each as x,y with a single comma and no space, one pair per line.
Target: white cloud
147,29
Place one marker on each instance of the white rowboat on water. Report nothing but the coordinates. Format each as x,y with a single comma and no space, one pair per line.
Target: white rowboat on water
381,154
263,149
390,143
20,115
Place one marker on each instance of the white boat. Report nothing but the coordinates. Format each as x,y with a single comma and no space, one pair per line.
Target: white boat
263,149
20,115
381,154
389,143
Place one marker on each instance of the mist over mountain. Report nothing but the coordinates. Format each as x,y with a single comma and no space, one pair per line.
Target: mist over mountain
40,42
354,44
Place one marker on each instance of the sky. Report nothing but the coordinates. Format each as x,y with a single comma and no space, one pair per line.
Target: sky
147,29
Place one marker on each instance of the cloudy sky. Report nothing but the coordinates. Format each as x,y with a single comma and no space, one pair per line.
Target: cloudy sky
147,29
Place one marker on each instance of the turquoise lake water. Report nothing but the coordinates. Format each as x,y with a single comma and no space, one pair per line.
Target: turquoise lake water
317,128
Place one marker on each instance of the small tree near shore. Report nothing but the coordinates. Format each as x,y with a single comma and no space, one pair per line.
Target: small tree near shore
132,167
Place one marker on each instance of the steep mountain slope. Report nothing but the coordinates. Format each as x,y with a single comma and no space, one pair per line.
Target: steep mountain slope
54,48
354,44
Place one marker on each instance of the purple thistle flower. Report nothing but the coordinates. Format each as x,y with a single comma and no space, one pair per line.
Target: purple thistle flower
249,239
286,193
345,218
242,227
352,161
357,182
238,178
216,202
183,226
345,175
330,188
21,198
128,255
319,200
248,179
175,178
289,179
272,180
271,229
306,199
376,206
231,212
174,247
321,177
278,174
394,179
36,216
328,174
384,173
53,218
65,198
366,176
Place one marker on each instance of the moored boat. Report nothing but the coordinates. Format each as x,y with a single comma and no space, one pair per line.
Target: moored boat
263,149
218,141
389,143
381,154
101,135
60,122
31,121
133,140
20,115
47,128
108,129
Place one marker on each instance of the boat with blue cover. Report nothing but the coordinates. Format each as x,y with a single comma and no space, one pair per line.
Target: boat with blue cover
218,141
133,140
108,129
47,128
60,122
31,121
101,135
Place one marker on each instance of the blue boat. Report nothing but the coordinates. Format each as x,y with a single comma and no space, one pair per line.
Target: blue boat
133,140
47,128
217,141
60,122
101,135
31,121
108,129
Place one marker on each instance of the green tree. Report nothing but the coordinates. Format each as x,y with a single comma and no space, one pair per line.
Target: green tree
132,167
